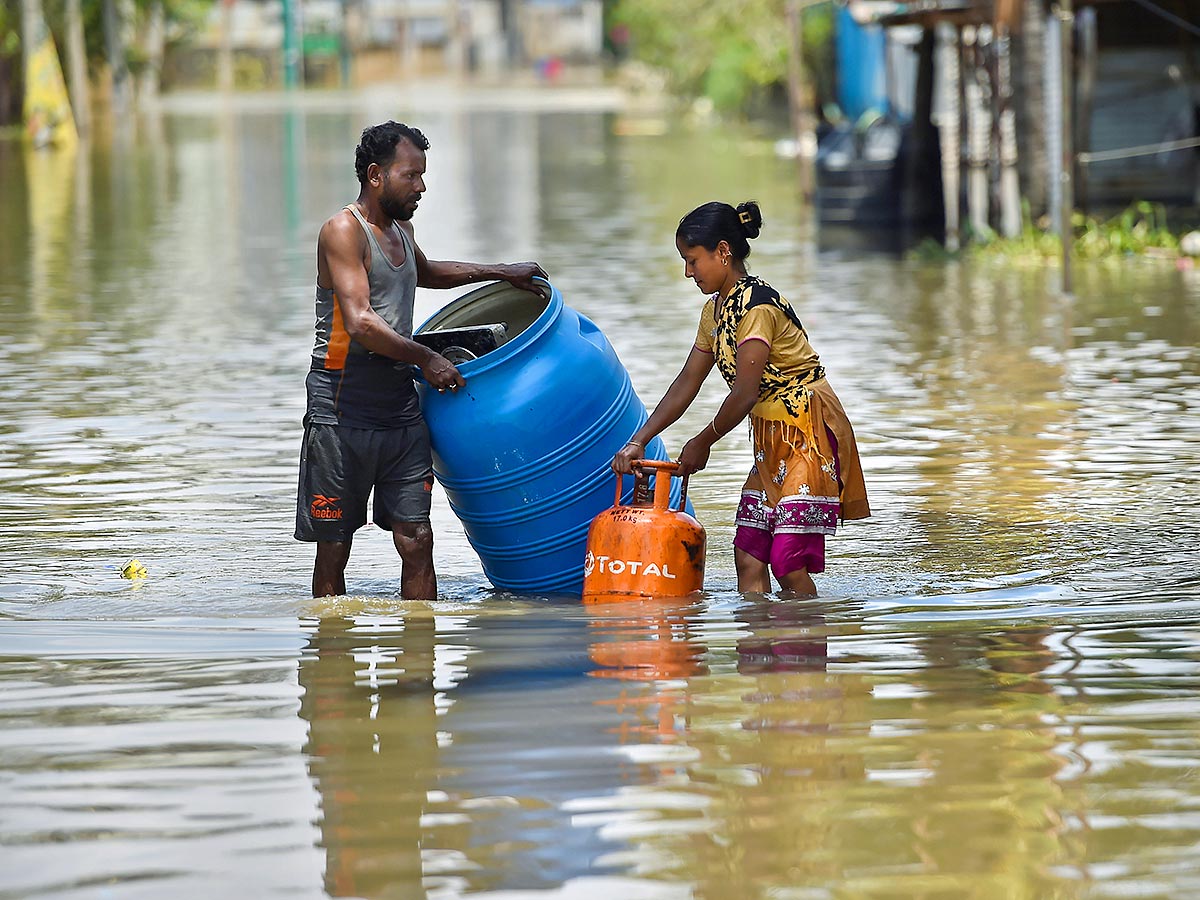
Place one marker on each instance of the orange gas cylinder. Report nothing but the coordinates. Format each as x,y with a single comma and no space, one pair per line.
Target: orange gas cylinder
644,549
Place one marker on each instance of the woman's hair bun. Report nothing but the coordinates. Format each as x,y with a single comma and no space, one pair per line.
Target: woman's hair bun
749,218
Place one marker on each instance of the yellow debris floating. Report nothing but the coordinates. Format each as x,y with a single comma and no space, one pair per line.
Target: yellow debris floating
133,570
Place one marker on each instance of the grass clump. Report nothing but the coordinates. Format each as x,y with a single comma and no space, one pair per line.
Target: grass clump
1139,230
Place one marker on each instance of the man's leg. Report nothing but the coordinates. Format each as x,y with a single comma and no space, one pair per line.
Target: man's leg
329,571
331,502
402,502
414,543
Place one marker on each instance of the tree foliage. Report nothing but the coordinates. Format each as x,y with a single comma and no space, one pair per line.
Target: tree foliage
731,52
183,18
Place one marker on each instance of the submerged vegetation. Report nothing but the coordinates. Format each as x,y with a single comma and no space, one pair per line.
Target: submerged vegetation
1139,230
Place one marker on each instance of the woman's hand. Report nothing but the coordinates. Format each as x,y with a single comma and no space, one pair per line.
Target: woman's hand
694,455
622,462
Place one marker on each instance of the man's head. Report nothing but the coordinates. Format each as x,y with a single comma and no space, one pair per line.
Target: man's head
390,160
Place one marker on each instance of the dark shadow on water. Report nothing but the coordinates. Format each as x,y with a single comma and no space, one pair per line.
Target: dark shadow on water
893,240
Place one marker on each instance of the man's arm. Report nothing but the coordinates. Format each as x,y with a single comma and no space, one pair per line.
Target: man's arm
441,274
340,251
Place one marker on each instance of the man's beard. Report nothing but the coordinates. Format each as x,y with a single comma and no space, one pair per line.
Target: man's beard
400,212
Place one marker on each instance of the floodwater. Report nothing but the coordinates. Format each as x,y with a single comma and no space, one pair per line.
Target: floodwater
994,696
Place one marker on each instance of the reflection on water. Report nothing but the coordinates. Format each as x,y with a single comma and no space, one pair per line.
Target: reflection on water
369,704
993,697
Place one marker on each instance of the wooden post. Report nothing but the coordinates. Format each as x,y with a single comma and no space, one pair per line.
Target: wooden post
77,63
798,102
916,206
31,19
1066,16
978,134
1010,189
1029,106
950,132
1086,97
153,41
115,45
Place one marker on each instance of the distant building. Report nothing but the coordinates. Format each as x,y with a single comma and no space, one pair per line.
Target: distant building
994,103
371,40
1138,83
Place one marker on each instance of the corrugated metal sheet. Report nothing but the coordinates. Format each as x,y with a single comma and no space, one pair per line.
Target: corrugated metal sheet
1142,97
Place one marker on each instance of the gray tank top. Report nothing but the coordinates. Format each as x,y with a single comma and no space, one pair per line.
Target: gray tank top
348,384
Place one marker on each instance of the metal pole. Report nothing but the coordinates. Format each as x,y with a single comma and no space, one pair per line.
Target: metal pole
291,52
1066,18
225,50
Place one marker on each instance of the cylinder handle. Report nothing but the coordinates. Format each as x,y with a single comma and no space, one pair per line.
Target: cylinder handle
662,486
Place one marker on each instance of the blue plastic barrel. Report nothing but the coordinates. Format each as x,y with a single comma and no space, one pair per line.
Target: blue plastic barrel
523,451
861,66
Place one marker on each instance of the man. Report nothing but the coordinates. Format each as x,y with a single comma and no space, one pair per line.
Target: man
363,428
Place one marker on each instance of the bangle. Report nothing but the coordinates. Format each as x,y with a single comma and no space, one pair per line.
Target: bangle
635,443
713,426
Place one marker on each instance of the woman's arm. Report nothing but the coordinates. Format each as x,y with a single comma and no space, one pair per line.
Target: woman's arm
751,360
675,401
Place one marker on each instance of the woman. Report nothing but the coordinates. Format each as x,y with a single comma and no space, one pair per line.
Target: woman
806,472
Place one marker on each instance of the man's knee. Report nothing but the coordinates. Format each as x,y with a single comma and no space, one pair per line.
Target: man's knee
333,553
414,540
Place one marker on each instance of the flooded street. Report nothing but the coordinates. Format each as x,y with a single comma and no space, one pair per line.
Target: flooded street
994,696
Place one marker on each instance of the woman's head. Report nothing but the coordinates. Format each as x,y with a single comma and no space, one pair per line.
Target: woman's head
714,240
706,226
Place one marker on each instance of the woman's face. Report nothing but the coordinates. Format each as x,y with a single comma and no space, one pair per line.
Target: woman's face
705,267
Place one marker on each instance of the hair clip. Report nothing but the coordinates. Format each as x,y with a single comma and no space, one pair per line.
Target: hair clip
744,217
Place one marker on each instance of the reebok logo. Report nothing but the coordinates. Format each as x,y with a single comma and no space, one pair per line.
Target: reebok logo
325,507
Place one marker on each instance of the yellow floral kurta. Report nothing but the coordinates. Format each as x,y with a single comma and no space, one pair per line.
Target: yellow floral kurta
798,484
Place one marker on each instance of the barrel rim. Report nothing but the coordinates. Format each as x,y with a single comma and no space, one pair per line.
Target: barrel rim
538,327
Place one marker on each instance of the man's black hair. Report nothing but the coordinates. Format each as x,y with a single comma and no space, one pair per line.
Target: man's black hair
378,145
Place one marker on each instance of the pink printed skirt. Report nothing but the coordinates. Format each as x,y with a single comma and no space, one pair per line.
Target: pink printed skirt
806,475
790,535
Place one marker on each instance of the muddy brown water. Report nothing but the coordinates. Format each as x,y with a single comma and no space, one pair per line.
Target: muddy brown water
995,695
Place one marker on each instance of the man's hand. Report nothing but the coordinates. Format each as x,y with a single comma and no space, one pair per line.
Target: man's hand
441,373
521,275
